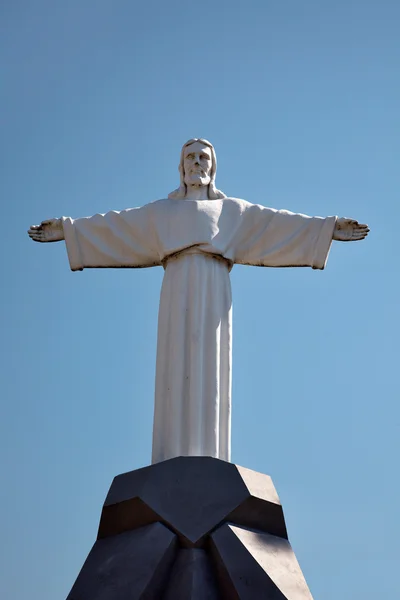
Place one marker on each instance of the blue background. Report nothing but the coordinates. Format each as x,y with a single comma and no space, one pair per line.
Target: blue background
301,100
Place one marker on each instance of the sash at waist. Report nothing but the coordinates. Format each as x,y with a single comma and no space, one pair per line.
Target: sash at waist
196,250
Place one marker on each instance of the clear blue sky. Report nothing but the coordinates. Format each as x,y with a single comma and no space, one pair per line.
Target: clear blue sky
301,100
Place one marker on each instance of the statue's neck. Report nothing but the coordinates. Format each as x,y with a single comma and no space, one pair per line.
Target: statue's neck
196,192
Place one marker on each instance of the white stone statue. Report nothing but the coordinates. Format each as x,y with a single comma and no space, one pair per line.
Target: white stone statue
197,234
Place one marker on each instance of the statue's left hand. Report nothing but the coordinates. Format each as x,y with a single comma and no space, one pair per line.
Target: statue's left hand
348,230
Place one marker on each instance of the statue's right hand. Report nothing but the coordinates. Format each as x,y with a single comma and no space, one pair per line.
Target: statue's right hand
48,231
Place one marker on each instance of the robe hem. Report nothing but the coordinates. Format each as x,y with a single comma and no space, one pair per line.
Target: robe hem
323,244
117,266
71,242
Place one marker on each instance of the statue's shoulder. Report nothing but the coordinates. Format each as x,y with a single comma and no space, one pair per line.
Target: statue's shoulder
237,203
155,204
159,201
243,204
145,206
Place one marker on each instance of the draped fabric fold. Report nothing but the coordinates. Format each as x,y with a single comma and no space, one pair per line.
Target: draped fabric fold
192,398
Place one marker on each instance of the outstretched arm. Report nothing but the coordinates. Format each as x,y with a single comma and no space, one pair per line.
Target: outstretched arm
124,238
280,238
348,230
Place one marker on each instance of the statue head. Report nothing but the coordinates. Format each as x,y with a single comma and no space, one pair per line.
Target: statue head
198,166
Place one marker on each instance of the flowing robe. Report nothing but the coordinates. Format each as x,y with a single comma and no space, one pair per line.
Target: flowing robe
197,243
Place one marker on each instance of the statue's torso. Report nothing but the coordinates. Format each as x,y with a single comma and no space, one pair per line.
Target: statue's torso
207,225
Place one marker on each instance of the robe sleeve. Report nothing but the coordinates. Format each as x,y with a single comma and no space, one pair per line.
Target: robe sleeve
124,238
279,238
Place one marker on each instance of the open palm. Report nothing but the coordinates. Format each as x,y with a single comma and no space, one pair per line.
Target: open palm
349,230
48,231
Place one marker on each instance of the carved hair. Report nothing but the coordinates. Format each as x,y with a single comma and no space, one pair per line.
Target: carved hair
213,193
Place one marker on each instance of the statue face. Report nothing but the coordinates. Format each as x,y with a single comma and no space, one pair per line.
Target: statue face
197,163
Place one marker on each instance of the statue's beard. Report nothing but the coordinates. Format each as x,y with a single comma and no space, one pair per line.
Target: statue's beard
200,179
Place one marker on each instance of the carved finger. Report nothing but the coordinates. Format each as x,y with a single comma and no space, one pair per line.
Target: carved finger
35,227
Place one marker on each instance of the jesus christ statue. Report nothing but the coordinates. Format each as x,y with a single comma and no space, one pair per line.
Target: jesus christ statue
197,234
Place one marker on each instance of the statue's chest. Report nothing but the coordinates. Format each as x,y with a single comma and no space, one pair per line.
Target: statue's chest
190,220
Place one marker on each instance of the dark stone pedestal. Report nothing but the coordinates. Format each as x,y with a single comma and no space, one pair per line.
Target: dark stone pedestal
191,528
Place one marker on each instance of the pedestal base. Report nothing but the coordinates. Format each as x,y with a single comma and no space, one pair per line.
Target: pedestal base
191,528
